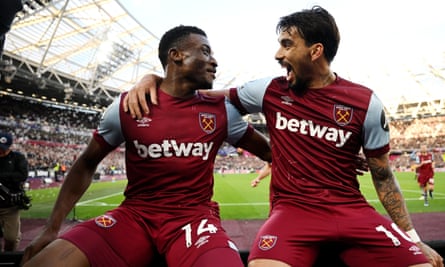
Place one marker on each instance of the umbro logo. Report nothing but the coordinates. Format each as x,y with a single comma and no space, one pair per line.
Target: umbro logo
286,100
415,250
144,122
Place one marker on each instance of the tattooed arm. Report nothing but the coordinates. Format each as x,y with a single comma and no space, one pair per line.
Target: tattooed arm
388,191
390,195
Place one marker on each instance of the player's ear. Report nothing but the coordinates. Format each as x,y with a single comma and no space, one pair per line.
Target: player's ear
175,55
316,50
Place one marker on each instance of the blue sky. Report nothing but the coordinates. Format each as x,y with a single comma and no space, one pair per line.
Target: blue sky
383,42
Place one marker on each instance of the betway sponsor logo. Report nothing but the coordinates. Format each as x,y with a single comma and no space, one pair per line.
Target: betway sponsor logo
308,127
170,148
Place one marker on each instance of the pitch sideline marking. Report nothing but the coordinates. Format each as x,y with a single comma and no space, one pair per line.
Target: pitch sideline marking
91,203
82,203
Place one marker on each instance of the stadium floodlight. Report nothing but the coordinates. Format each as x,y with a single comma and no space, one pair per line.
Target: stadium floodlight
117,55
7,70
39,81
68,90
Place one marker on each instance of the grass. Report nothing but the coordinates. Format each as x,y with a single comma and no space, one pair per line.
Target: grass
238,200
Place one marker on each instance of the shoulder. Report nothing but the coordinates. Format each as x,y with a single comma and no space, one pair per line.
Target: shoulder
352,85
281,81
210,99
17,155
356,94
266,83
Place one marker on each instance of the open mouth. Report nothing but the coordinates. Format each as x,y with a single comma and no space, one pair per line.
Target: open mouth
290,75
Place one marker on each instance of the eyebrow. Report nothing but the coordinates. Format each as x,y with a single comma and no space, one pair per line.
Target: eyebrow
285,41
207,46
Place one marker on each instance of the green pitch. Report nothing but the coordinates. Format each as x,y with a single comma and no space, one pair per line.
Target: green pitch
238,200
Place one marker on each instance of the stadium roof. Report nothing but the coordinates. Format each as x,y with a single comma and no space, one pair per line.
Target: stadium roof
78,51
97,45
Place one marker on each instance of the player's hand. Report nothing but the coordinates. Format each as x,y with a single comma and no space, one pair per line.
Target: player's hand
255,182
435,259
135,101
361,165
37,244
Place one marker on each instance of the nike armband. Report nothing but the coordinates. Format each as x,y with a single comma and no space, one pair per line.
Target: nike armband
413,235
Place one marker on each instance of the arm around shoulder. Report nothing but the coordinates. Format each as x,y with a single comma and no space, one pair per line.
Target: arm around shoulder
135,101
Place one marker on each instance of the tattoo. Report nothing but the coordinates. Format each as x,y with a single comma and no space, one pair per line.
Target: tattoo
388,191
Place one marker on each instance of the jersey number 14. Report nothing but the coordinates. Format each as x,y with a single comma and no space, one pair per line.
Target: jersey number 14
202,228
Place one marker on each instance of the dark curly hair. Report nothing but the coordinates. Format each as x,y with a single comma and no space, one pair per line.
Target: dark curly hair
315,25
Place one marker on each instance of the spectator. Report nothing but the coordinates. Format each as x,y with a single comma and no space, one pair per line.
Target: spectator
13,174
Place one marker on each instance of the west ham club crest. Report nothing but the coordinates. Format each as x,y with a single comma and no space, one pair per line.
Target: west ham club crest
105,221
342,114
207,121
267,242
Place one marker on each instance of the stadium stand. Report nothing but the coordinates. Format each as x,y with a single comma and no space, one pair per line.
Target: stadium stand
51,133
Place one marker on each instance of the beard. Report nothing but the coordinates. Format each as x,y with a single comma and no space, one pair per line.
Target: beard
300,86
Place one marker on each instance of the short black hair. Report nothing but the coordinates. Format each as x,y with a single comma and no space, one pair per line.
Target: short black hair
315,25
172,38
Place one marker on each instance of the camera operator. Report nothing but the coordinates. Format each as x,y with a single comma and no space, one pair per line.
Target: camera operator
13,173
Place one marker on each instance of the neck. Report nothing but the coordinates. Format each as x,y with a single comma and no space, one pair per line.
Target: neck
177,89
330,78
324,80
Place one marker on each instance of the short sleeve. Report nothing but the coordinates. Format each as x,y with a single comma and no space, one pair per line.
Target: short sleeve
236,126
110,124
376,128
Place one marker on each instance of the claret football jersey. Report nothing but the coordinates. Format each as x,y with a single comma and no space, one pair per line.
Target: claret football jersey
316,136
169,153
426,169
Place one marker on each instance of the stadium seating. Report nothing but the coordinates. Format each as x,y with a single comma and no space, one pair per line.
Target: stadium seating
328,259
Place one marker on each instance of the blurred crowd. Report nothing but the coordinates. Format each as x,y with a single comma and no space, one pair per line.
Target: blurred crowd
411,134
51,134
408,135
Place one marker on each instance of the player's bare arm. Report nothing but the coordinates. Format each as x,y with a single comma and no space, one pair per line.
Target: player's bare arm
389,192
264,172
258,145
391,197
74,186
